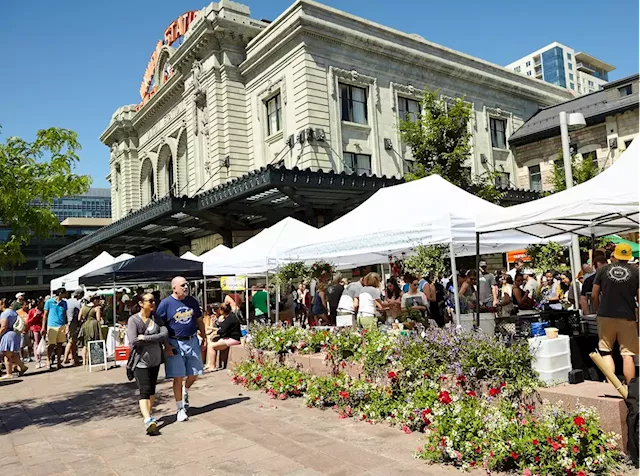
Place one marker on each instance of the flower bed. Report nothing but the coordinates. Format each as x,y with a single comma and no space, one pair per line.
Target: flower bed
471,394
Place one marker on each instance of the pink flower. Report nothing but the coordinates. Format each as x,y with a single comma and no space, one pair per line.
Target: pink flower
576,449
458,454
527,472
406,429
282,396
419,449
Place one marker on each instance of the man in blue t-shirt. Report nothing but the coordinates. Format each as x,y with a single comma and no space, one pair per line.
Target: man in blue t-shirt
182,316
54,326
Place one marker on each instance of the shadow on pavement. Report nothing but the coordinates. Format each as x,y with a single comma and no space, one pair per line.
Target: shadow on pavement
4,383
98,403
194,411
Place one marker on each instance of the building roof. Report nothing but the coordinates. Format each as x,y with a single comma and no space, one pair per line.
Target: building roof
594,106
592,60
254,201
85,221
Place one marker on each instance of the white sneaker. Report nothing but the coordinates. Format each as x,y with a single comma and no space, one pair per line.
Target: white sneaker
182,415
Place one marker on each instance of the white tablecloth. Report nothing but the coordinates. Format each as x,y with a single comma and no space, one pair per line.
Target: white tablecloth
113,340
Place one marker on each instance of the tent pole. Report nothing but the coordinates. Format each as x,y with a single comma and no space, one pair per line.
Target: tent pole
277,303
115,314
454,278
246,299
204,293
268,298
477,307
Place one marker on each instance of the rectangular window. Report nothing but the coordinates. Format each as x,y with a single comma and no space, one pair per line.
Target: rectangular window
517,69
498,135
572,86
408,109
571,76
570,66
357,163
353,103
274,115
528,64
568,56
590,83
528,73
535,178
626,90
503,180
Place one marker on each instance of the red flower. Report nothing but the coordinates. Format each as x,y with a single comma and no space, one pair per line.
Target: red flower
514,455
530,408
258,377
493,392
555,446
576,449
502,384
579,421
471,393
425,412
344,394
535,442
491,453
406,429
536,459
443,442
392,375
444,397
581,473
559,438
461,379
550,440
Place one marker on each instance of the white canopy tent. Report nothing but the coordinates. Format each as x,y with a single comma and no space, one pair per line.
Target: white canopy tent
262,253
215,253
190,256
606,204
396,219
71,281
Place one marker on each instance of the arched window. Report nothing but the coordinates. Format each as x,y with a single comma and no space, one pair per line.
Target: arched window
152,186
170,178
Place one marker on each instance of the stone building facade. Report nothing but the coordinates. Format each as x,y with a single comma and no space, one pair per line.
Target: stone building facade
316,88
611,115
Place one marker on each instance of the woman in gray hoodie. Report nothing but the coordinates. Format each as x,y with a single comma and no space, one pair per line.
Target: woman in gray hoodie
147,336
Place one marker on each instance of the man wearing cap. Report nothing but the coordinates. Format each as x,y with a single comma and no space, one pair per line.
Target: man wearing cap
487,287
17,304
615,289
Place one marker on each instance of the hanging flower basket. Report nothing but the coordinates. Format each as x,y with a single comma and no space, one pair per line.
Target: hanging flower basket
322,271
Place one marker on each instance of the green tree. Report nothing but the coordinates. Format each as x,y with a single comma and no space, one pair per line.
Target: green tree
32,174
581,169
425,259
439,139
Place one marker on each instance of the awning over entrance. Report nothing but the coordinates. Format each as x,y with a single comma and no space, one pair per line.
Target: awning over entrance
254,201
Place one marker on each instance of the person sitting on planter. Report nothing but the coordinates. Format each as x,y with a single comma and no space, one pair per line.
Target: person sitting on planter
228,334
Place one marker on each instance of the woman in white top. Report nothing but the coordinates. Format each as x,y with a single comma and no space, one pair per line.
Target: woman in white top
368,302
414,298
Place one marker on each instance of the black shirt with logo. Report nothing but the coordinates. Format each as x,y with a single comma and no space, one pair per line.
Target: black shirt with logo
618,290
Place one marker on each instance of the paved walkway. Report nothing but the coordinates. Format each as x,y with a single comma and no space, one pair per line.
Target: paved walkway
72,422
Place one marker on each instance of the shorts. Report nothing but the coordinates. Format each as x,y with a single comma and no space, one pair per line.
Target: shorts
624,331
369,323
146,378
56,335
230,342
25,340
186,362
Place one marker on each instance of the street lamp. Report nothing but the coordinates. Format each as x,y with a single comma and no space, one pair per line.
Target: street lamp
571,122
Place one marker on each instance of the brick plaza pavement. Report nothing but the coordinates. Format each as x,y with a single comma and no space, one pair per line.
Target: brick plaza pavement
72,422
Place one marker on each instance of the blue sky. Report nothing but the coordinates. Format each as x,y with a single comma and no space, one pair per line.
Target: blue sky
69,65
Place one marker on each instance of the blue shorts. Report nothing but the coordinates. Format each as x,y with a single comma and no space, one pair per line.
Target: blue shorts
187,361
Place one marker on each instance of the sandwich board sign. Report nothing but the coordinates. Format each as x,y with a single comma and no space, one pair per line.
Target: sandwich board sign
97,354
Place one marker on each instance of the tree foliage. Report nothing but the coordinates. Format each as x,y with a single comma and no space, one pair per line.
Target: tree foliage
440,141
426,259
582,170
33,173
548,257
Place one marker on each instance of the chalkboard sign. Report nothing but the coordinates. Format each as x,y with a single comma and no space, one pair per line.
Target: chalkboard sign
97,354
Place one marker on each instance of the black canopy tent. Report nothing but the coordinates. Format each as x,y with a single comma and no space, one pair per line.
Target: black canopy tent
149,268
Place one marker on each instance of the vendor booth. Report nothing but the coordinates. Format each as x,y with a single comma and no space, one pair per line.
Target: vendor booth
70,281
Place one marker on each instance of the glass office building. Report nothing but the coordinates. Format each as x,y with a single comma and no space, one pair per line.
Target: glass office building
96,203
553,67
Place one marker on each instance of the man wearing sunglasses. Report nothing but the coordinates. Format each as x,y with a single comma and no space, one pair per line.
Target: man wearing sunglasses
182,316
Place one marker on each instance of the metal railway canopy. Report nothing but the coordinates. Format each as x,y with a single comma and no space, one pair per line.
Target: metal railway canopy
253,201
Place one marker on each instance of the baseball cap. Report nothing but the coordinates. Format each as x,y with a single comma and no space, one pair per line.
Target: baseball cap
623,252
483,264
529,271
19,295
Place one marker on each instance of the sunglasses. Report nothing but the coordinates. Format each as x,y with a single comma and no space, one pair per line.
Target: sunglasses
414,284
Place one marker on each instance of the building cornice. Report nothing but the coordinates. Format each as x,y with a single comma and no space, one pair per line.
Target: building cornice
308,17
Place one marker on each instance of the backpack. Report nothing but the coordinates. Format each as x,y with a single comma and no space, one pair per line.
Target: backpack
19,326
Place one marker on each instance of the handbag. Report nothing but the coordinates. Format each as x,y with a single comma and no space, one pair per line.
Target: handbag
19,326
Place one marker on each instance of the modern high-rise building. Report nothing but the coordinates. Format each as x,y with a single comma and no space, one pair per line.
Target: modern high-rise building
561,65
